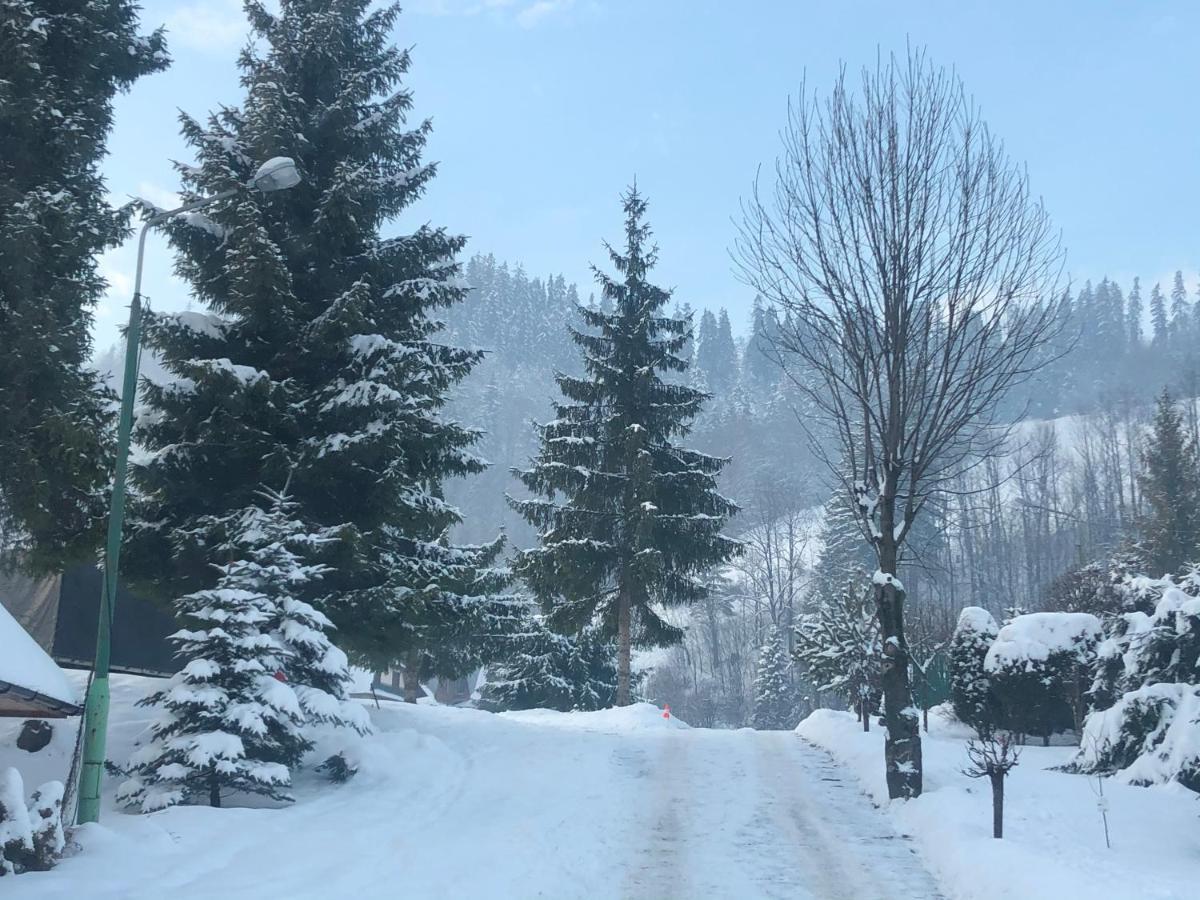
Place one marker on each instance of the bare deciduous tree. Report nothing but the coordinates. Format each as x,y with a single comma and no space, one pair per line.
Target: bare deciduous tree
992,756
914,259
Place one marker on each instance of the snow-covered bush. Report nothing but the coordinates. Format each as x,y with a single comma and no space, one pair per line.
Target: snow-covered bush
338,768
1150,735
1121,630
1038,668
45,814
970,689
774,698
31,837
1149,663
16,835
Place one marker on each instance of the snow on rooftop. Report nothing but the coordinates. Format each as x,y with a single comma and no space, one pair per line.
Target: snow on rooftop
1037,635
25,664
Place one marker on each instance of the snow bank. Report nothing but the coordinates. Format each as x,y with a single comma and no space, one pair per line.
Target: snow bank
24,663
1037,636
1053,846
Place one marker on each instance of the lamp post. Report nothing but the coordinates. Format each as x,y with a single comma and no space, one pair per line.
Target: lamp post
275,174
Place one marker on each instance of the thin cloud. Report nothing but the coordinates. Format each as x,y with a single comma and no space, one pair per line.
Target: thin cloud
208,25
539,11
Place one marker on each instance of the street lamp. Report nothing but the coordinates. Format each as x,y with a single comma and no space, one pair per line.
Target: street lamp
275,174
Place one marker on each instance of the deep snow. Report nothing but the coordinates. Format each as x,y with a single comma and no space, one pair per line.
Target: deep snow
453,803
1053,846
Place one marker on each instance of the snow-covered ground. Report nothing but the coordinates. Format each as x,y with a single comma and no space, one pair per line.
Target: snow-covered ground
1053,845
453,803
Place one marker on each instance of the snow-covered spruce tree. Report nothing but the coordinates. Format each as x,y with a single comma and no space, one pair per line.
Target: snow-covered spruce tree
1150,732
465,617
1140,596
61,64
272,543
1099,588
227,724
839,644
1170,531
640,517
316,355
845,553
542,669
774,696
970,690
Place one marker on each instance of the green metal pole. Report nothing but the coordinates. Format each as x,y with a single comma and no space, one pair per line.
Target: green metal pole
95,712
96,706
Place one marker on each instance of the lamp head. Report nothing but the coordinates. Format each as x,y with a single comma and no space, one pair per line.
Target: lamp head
276,174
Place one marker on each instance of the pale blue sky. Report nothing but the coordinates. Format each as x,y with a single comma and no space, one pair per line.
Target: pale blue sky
544,110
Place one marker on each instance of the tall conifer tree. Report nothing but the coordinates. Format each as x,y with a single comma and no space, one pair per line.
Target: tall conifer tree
1170,531
1134,315
640,518
316,363
61,64
1158,317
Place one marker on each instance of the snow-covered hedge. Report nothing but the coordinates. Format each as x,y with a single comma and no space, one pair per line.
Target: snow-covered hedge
970,688
1148,670
1039,669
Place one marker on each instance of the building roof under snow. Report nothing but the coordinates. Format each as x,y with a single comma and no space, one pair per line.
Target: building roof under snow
31,683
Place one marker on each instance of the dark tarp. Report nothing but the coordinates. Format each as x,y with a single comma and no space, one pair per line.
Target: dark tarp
60,612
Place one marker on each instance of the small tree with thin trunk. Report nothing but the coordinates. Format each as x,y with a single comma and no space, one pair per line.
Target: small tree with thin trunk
914,260
993,755
838,647
774,696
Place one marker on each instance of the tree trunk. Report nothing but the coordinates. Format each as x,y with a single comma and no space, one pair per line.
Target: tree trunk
412,676
997,804
214,791
864,713
624,615
902,742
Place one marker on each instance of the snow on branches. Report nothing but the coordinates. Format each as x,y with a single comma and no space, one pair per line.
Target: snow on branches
1146,727
258,669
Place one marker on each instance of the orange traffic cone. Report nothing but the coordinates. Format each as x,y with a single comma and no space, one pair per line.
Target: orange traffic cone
667,711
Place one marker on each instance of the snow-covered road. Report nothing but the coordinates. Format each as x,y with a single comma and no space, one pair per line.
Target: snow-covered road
761,814
457,803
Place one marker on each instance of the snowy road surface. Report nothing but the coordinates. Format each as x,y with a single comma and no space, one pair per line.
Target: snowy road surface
760,814
455,803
